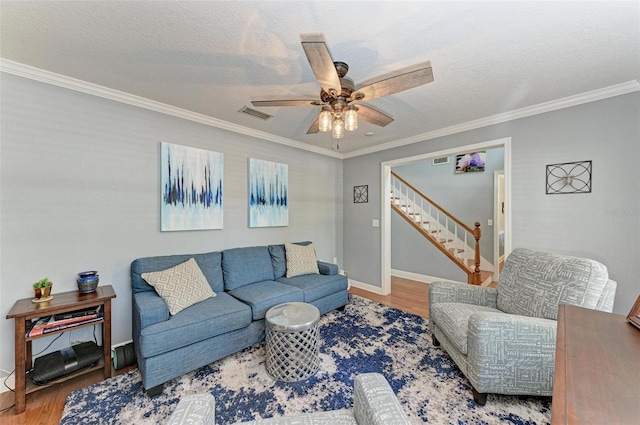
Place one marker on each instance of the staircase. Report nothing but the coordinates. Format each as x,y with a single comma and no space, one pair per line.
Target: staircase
446,232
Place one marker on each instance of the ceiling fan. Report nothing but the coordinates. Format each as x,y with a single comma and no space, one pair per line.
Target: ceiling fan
340,98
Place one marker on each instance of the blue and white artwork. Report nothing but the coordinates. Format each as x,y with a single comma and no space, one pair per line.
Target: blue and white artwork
268,193
191,181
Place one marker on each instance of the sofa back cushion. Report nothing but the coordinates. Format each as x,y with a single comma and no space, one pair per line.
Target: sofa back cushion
534,283
279,258
243,266
210,263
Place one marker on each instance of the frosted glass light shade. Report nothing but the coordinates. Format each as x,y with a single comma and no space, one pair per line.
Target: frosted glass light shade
338,129
324,121
351,119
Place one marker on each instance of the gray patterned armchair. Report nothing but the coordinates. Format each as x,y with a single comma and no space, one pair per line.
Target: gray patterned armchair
503,339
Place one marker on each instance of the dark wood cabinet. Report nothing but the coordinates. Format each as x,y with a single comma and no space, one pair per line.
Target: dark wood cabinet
24,310
597,369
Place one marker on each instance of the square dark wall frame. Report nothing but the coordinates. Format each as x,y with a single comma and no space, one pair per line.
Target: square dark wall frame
361,194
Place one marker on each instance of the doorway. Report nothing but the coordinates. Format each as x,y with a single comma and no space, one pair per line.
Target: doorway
386,198
498,223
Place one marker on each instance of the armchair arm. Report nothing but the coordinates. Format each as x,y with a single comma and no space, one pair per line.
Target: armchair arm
149,308
327,268
511,354
374,402
458,292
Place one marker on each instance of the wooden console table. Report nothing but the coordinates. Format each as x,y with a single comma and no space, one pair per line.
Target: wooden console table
24,310
597,369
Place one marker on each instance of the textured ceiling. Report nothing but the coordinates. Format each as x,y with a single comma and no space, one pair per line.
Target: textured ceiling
213,58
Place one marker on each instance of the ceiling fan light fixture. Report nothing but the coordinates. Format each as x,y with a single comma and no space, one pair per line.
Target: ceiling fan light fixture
324,122
338,128
351,119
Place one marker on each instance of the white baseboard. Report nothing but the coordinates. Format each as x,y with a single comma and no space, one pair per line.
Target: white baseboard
11,382
366,286
415,276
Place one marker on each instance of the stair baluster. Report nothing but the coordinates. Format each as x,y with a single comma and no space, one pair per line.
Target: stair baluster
444,232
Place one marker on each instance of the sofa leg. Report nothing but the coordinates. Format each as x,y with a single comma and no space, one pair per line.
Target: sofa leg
435,341
479,398
154,391
341,308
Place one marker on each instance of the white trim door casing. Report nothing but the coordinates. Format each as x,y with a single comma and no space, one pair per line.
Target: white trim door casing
385,232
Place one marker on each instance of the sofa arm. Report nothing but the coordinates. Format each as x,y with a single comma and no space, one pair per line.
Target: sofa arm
459,292
327,268
374,402
605,303
149,308
511,354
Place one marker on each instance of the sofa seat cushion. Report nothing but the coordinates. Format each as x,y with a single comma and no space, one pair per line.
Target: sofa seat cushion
244,266
211,317
262,296
453,320
316,286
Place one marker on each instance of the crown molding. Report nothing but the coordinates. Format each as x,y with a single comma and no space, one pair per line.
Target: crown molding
566,102
37,74
59,80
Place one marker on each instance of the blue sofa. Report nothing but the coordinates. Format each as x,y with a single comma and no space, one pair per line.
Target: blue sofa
248,281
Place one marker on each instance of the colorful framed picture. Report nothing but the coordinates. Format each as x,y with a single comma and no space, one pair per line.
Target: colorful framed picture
191,188
471,162
268,193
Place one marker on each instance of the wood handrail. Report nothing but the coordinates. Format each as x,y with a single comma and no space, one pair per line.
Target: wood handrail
432,202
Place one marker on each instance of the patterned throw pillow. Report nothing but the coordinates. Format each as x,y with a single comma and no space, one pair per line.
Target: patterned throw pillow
300,259
181,286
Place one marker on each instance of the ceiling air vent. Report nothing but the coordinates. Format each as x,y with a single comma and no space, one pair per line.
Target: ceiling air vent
255,113
441,161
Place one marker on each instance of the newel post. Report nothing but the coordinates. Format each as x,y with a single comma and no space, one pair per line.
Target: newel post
476,280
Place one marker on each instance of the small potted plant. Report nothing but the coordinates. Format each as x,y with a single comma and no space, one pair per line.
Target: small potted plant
42,289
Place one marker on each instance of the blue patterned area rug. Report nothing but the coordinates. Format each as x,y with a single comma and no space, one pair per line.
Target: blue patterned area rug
365,337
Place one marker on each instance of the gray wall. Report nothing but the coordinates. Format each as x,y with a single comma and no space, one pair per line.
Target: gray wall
468,196
80,190
603,225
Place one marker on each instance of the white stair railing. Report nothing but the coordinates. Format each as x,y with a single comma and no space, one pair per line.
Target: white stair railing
454,238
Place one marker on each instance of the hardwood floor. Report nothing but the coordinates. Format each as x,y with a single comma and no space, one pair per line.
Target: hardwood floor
406,295
45,407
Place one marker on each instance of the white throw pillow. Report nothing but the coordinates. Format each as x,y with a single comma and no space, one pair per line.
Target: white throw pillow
301,259
181,286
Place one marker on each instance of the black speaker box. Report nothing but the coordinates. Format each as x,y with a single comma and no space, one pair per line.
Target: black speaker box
60,363
124,355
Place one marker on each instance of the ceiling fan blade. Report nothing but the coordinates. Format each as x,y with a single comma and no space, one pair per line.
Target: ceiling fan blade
404,79
373,116
321,63
315,127
286,102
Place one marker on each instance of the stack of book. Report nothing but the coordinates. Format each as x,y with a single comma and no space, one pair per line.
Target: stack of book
57,322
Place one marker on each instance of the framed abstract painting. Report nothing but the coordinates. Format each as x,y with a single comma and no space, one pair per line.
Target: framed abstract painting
268,193
191,188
